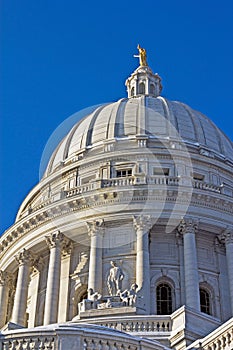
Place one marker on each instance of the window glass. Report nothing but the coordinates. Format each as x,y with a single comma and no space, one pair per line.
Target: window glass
164,299
205,301
124,173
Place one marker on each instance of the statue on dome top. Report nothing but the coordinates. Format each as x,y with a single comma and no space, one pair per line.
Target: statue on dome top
142,56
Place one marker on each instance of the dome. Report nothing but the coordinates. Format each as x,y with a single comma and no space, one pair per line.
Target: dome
142,115
129,231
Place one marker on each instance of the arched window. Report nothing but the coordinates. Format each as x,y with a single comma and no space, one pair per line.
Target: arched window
205,301
141,88
164,299
132,91
152,89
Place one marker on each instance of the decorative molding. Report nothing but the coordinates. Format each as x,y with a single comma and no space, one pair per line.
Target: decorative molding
142,223
224,205
95,227
226,236
188,225
24,257
67,247
55,239
5,278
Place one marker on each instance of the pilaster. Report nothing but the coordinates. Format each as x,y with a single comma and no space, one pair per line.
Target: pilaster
5,279
227,238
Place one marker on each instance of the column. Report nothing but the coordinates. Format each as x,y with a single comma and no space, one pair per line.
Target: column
95,231
142,225
55,243
192,296
179,242
228,237
64,283
33,291
24,260
4,294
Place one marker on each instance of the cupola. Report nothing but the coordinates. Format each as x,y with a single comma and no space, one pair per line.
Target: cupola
143,81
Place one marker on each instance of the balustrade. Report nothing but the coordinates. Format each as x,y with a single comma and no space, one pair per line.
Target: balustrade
206,186
137,324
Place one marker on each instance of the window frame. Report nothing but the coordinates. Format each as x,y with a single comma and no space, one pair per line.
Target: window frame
160,303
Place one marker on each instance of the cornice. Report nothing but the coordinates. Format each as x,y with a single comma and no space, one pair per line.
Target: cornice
106,197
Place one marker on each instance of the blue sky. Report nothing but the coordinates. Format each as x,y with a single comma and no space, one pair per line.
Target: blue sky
58,57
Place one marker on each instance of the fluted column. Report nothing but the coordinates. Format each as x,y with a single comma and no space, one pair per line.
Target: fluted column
4,294
55,242
142,225
228,237
24,260
95,231
192,295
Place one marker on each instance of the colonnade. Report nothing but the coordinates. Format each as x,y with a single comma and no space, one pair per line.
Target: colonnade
57,242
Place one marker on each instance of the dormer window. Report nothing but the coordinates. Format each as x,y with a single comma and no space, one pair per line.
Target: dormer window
198,177
161,171
124,173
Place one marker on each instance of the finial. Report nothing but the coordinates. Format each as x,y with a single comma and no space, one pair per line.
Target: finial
142,56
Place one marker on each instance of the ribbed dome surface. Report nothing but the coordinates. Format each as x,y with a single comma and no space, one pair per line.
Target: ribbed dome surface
142,115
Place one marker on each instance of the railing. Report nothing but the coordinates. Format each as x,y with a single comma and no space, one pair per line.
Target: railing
221,339
73,336
27,342
206,186
83,188
163,180
135,324
124,181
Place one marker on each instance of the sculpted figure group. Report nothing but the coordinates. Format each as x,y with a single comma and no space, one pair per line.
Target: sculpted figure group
117,297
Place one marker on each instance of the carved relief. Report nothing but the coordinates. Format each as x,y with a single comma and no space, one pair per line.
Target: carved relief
24,257
142,223
95,227
188,225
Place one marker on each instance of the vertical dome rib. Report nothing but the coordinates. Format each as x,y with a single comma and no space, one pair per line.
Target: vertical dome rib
91,125
119,130
218,137
197,126
70,136
142,115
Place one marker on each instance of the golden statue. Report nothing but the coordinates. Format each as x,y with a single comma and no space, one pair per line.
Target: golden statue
142,56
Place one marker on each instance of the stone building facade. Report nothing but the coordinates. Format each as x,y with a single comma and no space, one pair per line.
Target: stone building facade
127,241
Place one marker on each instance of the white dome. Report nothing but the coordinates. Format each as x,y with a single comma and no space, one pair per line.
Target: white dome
142,114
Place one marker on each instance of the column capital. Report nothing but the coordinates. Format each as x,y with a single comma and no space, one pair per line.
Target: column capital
142,223
5,278
55,239
227,236
95,227
38,264
188,225
24,257
67,247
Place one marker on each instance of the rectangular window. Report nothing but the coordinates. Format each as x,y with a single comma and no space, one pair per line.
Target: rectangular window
197,176
124,173
161,171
